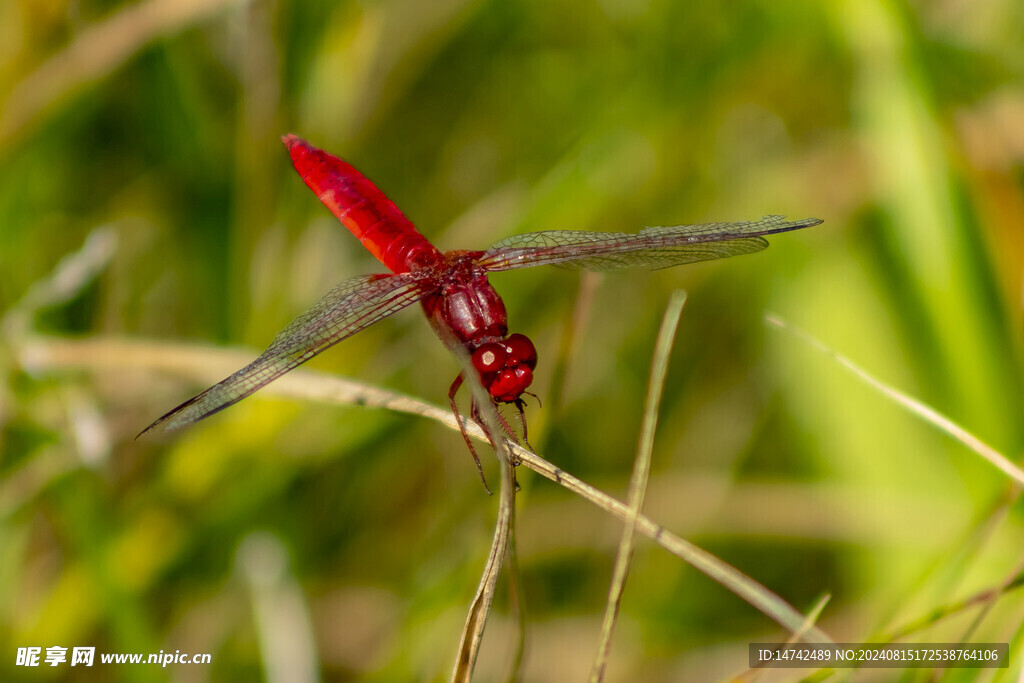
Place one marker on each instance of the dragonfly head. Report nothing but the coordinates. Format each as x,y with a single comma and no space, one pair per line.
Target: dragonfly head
506,366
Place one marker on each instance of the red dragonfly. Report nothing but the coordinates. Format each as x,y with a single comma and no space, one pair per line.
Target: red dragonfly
452,287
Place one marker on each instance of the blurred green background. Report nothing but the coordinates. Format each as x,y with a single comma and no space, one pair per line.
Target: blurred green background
293,540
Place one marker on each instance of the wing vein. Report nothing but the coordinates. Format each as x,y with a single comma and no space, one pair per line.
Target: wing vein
351,306
659,247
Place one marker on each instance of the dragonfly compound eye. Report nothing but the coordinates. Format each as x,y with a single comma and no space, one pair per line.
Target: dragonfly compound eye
511,383
521,351
490,358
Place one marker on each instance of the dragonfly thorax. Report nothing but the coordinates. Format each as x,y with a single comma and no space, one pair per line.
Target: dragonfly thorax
466,303
467,306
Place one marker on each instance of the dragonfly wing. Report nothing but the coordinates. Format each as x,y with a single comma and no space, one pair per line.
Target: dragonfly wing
351,306
653,247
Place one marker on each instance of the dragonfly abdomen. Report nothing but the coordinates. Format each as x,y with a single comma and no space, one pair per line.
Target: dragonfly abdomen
361,207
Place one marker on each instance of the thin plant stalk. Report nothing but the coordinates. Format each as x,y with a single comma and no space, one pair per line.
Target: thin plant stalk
638,480
476,619
923,411
812,618
480,607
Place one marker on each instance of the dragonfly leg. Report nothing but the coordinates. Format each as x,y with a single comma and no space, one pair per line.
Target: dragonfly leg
520,405
507,427
513,436
454,389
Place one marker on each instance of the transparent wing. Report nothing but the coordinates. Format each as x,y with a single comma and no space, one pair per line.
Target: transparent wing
351,306
653,247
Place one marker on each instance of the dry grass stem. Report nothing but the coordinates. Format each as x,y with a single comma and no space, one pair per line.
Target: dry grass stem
476,619
929,414
812,617
639,478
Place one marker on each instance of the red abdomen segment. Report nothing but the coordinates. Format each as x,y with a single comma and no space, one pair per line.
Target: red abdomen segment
361,207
